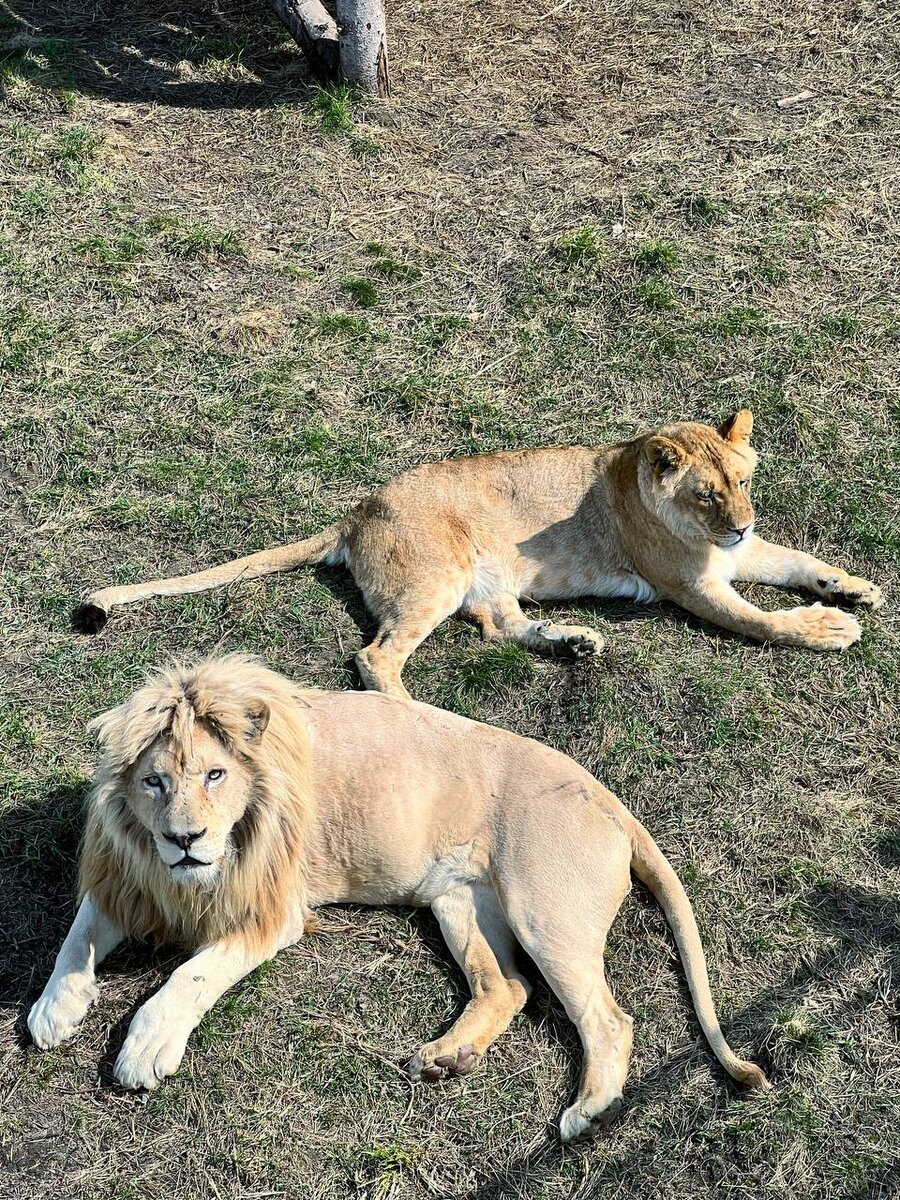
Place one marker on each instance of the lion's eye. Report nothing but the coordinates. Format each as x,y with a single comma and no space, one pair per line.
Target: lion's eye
153,781
705,497
215,775
745,483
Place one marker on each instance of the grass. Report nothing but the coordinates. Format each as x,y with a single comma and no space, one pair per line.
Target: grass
554,260
189,238
334,109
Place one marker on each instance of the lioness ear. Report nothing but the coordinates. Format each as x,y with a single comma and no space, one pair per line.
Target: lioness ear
664,455
739,427
257,720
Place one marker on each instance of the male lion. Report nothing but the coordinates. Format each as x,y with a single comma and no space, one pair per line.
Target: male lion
665,515
228,803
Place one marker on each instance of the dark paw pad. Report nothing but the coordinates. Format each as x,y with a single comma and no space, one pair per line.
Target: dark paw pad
581,647
609,1114
447,1065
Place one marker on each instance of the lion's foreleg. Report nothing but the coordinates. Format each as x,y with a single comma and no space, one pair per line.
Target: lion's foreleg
766,562
71,989
813,627
159,1032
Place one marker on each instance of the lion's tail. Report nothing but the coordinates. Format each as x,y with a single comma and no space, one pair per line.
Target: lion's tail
95,608
653,868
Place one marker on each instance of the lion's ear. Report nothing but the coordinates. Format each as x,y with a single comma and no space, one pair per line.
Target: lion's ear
109,725
738,428
258,715
664,455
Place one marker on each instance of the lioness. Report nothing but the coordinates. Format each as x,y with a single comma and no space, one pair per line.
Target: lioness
664,515
228,803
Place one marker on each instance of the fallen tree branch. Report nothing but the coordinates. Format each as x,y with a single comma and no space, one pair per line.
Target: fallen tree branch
314,31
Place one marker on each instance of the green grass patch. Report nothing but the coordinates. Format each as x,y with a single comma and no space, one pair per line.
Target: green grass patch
189,238
393,269
361,291
584,245
655,294
656,257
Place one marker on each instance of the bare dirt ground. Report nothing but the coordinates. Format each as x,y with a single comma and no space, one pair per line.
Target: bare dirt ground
229,306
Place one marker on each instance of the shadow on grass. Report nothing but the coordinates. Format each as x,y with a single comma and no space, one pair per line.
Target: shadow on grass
38,873
155,53
859,923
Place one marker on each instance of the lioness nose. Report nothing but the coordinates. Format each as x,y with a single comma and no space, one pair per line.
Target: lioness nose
184,840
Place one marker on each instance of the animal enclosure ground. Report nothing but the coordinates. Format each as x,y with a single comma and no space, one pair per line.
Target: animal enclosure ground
230,306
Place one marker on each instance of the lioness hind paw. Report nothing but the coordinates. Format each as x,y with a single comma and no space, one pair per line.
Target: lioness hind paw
444,1066
579,643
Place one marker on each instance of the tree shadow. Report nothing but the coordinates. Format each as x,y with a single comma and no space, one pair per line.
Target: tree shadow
195,55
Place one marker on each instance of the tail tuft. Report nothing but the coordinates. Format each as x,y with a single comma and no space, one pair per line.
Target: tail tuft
89,618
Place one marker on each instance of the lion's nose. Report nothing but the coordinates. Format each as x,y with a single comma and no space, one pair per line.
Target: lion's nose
184,840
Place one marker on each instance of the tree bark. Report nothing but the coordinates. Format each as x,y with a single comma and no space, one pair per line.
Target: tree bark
314,31
362,34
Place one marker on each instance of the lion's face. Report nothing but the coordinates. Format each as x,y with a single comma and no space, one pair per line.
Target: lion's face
701,480
190,803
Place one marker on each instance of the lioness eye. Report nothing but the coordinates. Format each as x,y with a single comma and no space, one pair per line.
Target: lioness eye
153,781
214,775
745,483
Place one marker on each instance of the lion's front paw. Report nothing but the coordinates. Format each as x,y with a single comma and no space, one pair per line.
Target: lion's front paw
435,1062
838,586
58,1013
152,1051
820,628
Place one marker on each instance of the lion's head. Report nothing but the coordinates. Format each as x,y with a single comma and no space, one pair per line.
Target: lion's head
200,803
698,479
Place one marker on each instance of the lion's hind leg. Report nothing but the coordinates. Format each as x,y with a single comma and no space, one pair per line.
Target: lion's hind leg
563,928
480,940
413,574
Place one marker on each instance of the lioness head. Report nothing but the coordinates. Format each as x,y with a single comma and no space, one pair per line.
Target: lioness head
697,479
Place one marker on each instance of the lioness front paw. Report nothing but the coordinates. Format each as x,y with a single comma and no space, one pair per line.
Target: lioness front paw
820,628
838,586
152,1051
55,1017
434,1062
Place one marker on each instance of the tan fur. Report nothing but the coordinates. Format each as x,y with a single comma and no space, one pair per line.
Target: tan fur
476,535
291,799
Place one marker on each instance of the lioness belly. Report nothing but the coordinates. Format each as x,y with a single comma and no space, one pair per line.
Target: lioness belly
572,581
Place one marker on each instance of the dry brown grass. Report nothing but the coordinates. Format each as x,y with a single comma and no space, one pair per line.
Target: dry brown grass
591,218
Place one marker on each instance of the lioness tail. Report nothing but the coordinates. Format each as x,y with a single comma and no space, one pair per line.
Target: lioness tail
95,608
653,868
